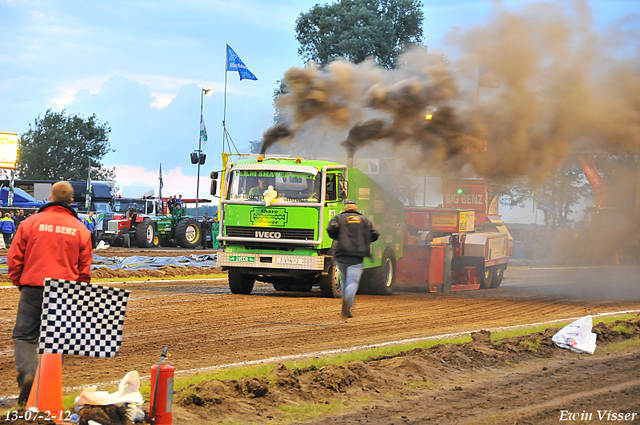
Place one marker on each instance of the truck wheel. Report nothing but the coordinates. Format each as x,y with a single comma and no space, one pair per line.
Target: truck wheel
383,280
188,233
330,285
240,283
486,278
497,279
146,236
126,241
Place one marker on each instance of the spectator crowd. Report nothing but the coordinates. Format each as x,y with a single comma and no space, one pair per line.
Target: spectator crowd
9,224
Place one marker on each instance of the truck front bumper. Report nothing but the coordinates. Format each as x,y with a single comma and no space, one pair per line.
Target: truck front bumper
270,261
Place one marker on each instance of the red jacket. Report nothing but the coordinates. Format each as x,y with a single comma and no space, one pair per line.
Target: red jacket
52,243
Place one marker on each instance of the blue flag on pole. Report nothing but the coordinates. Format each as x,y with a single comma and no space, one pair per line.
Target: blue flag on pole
544,204
234,63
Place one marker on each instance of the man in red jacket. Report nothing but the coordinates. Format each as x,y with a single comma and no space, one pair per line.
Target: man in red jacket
53,243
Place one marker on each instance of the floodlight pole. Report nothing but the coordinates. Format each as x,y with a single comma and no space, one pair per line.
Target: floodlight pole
203,91
199,148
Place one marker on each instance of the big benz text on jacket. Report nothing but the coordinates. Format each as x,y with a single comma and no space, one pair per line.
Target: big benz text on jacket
352,234
53,243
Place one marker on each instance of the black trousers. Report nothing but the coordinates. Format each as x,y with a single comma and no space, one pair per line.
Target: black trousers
27,332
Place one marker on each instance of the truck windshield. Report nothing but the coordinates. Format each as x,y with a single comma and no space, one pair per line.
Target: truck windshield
290,186
102,207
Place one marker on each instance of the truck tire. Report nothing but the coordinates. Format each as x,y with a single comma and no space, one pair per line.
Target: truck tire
188,233
486,278
497,279
146,235
240,283
330,285
383,278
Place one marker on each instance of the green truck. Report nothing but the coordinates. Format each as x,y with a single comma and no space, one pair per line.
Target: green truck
273,222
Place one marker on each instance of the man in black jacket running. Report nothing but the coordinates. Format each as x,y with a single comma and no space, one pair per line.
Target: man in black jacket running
352,235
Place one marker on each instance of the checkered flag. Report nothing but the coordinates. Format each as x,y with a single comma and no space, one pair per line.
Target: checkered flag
82,319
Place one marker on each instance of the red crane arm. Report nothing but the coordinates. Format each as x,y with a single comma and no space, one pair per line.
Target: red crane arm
600,190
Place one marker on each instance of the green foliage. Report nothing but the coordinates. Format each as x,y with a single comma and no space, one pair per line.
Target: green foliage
357,29
59,146
564,189
280,89
255,145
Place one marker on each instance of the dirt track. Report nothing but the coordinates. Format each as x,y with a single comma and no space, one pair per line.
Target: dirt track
204,325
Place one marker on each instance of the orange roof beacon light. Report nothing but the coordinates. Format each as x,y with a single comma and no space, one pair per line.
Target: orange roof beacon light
298,160
260,159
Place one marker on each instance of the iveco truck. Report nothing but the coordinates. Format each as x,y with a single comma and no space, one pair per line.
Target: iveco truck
274,216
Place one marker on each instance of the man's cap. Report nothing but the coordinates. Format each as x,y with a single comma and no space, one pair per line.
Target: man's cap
351,202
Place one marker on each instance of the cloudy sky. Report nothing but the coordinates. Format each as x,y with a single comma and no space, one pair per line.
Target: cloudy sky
140,66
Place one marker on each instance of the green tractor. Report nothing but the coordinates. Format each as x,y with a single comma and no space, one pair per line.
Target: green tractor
149,231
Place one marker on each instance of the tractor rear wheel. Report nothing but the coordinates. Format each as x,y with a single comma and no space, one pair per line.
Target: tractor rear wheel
146,236
497,279
487,276
187,233
240,283
330,285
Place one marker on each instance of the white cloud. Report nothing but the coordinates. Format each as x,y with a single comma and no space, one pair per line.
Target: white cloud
70,89
162,99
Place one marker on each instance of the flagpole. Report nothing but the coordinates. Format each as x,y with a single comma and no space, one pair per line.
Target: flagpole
11,188
160,209
87,197
224,113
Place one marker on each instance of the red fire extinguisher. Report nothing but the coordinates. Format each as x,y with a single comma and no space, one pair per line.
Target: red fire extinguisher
162,385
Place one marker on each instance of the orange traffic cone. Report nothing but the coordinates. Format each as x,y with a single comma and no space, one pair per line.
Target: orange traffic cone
46,393
617,259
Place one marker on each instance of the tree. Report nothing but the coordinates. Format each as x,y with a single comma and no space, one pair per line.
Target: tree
255,145
357,29
59,147
563,189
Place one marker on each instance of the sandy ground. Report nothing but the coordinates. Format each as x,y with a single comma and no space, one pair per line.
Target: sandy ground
205,326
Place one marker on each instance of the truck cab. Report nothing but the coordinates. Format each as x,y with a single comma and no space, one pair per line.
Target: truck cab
273,223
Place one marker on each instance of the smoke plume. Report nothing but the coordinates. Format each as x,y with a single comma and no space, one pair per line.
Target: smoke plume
519,95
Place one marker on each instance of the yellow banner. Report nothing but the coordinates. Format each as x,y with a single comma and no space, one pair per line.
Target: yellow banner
8,150
445,220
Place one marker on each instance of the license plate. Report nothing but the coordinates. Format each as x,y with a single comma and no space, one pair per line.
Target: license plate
242,258
289,261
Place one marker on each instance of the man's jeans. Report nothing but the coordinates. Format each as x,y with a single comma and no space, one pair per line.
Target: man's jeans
350,280
27,332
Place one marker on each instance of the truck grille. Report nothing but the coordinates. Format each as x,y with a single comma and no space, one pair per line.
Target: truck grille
113,226
269,233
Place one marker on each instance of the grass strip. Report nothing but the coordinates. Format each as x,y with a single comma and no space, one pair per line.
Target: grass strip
263,370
